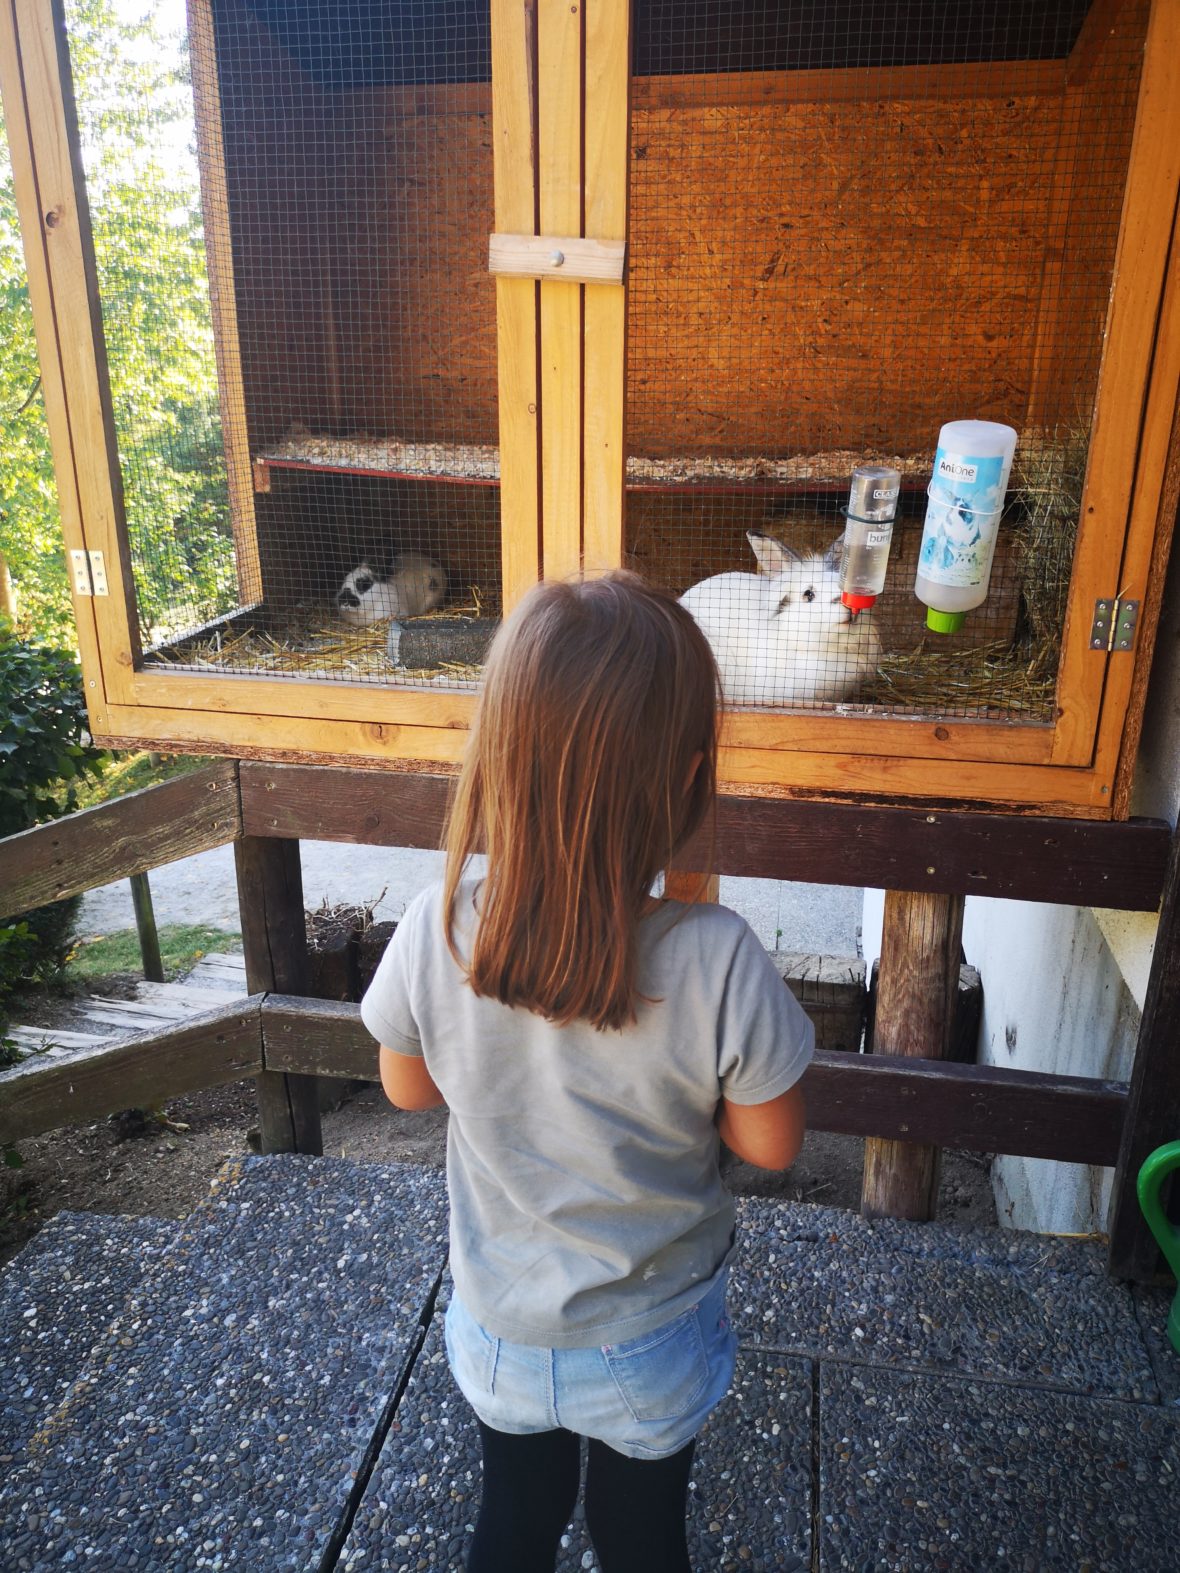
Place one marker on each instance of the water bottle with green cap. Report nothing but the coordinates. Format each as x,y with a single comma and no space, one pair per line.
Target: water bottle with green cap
965,501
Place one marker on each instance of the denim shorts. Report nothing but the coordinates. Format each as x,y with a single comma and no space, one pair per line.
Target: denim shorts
646,1398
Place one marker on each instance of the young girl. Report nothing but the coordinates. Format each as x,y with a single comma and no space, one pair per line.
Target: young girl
592,1044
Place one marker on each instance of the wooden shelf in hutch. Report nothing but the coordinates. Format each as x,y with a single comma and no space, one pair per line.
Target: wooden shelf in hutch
470,464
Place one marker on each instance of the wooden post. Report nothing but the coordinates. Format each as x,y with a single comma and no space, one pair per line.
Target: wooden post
145,923
1153,1104
270,900
919,979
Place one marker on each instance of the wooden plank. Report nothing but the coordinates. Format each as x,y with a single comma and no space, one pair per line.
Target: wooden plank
53,394
66,235
928,737
982,1108
1098,26
921,944
43,1039
1149,539
853,85
274,938
977,1108
559,184
287,738
514,102
140,831
304,698
604,346
1153,1105
222,300
1144,238
567,258
1082,793
224,1045
1071,862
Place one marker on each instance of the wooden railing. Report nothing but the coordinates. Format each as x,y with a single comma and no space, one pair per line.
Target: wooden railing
284,1039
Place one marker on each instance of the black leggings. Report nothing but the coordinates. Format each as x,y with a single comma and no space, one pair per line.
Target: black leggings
635,1507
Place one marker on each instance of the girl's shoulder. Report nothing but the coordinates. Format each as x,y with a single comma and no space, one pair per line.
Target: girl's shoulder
703,926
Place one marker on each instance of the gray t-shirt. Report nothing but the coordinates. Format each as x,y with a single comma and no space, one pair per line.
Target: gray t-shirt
586,1202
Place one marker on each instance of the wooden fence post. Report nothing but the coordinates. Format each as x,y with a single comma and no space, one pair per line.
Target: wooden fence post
918,983
1153,1103
145,923
274,936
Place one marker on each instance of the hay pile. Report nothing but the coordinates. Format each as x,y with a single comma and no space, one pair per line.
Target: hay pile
309,645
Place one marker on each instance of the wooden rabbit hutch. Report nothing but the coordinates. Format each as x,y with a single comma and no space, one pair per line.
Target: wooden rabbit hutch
511,288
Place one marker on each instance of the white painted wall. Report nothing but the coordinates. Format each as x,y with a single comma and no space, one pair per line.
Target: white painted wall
1063,987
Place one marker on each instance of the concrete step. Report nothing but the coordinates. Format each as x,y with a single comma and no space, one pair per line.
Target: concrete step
222,1417
59,1297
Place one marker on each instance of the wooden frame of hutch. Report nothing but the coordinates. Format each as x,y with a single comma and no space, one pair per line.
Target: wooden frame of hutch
560,98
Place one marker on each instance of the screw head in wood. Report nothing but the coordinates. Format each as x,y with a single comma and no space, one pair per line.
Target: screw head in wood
557,258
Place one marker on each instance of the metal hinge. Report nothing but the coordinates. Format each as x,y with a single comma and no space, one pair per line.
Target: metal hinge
90,573
1114,624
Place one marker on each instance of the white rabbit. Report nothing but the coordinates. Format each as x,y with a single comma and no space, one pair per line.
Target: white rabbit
782,636
412,584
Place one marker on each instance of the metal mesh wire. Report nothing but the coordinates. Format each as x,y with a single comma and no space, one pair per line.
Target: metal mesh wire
851,223
330,168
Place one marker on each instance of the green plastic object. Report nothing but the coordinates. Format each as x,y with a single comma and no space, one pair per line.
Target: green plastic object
1156,1168
944,622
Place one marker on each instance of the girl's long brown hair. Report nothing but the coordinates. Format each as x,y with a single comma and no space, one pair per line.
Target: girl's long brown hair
597,698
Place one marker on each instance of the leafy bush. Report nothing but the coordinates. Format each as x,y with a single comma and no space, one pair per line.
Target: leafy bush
44,758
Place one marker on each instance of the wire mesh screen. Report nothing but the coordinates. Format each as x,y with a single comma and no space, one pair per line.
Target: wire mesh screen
329,174
849,225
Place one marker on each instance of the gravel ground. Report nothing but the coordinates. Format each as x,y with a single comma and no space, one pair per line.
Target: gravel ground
938,1472
226,1407
986,1302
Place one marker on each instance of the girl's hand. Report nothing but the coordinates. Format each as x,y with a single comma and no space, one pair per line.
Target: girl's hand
407,1082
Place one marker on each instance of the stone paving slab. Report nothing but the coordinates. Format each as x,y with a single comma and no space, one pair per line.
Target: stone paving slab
58,1296
943,1472
1153,1306
822,1281
234,1396
750,1502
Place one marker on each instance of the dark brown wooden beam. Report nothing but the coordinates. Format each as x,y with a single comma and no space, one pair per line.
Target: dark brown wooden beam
274,938
1153,1107
83,1085
1068,861
130,835
983,1108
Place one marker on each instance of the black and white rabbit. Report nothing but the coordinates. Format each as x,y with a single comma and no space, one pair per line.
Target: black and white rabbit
782,636
410,585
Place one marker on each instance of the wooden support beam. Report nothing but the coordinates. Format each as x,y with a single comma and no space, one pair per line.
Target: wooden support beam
127,836
274,936
1066,861
82,1085
980,1108
145,923
1153,1105
919,980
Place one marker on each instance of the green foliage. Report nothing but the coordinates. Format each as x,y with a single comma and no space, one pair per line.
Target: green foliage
42,726
43,761
135,113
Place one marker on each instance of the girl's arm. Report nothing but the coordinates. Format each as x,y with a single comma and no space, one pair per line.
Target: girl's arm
407,1082
768,1135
